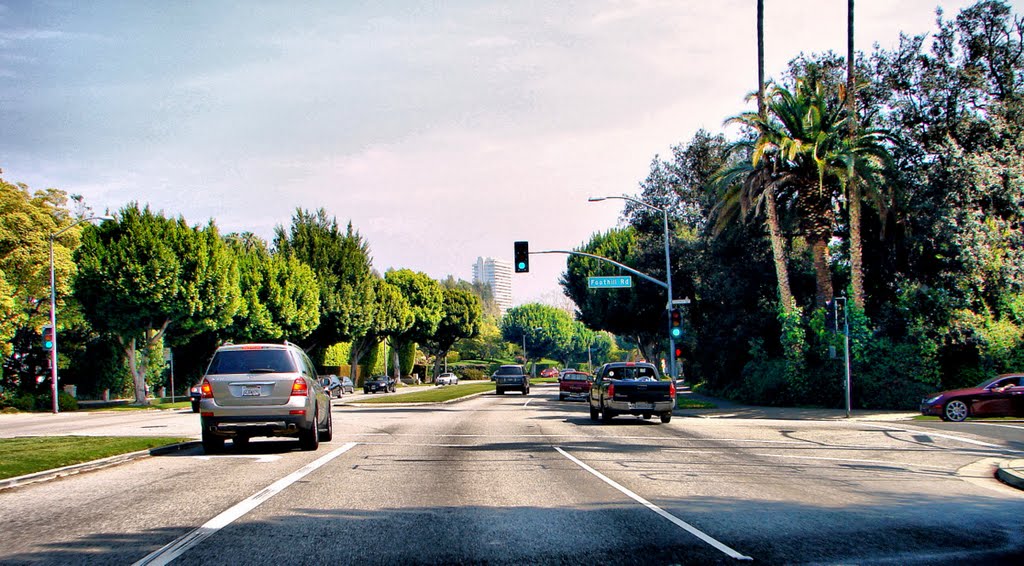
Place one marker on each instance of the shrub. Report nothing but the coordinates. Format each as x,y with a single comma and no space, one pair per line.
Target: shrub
473,373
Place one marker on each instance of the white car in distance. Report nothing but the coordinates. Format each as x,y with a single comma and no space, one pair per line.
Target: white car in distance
447,379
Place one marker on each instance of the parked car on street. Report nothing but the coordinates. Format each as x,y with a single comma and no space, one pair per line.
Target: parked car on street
195,395
447,379
263,390
347,385
511,377
332,385
632,388
379,383
574,385
1001,396
549,372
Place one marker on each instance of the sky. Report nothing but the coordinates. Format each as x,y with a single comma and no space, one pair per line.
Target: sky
443,131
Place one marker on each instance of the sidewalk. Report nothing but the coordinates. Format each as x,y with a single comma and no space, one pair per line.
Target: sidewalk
1010,472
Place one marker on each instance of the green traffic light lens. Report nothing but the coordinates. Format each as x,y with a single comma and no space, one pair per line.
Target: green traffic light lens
522,265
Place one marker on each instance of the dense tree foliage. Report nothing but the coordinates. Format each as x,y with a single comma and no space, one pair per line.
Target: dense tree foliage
143,273
460,320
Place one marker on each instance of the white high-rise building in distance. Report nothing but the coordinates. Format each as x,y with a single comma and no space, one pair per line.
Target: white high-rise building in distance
498,274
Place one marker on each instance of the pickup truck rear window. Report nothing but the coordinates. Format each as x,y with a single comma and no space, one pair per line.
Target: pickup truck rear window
251,361
574,377
636,373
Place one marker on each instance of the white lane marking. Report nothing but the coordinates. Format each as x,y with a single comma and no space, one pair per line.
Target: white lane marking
262,459
856,461
178,547
527,403
675,520
999,425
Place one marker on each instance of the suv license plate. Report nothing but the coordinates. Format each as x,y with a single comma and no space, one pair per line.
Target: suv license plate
251,391
641,405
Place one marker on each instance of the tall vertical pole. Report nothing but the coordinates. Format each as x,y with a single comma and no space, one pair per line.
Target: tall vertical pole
846,344
53,325
668,308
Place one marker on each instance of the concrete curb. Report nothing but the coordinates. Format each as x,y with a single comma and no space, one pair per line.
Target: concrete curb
47,475
424,403
1010,474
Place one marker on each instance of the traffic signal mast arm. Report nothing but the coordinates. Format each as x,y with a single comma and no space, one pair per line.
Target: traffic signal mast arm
613,262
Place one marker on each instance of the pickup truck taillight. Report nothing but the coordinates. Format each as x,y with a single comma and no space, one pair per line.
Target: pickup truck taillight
299,388
611,391
672,389
205,390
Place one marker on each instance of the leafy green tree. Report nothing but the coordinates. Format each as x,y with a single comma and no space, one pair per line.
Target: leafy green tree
280,294
144,273
341,263
548,331
392,316
27,218
637,312
461,320
426,300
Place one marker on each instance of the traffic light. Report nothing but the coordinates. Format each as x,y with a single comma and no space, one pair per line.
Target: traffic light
522,257
676,327
47,337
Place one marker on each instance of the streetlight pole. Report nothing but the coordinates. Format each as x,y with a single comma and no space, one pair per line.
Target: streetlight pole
53,308
668,275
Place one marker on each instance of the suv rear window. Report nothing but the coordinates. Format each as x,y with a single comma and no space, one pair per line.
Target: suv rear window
252,361
509,370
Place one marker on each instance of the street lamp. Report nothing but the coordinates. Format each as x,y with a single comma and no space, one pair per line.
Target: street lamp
53,307
668,274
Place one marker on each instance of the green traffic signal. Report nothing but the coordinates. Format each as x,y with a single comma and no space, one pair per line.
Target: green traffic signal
522,257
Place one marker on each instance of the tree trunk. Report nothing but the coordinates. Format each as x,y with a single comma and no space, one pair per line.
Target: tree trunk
822,276
437,363
853,188
779,254
138,377
774,227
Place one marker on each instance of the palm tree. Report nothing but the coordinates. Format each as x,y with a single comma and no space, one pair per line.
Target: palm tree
853,188
771,207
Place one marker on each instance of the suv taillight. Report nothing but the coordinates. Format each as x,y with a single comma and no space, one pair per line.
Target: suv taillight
206,390
299,388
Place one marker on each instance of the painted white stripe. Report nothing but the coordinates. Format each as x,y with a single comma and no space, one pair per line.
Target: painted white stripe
672,518
527,403
178,547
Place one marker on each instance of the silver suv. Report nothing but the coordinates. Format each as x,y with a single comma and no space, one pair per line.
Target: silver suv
263,390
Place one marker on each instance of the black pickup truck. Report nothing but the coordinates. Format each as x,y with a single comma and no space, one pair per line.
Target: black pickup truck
628,388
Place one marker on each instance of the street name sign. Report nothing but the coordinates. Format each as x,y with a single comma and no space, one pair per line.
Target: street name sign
613,282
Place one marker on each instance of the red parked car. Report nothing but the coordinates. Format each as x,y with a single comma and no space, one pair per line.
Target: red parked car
574,385
1001,396
549,372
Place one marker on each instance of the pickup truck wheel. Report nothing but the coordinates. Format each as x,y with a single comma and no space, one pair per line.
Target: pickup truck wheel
594,414
499,391
561,397
647,416
607,415
666,417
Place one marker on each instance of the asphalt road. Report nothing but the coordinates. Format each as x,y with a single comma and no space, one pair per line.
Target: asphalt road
531,480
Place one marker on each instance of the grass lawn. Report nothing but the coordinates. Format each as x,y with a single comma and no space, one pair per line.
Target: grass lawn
153,405
434,395
687,403
26,455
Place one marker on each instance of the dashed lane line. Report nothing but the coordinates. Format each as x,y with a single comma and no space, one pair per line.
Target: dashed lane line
178,547
665,514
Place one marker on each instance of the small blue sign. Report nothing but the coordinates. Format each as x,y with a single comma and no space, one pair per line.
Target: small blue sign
613,282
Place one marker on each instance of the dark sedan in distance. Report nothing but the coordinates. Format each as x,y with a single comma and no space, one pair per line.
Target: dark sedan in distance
381,383
1001,396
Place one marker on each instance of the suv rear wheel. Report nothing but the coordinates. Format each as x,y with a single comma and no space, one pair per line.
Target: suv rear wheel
212,443
310,439
328,434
